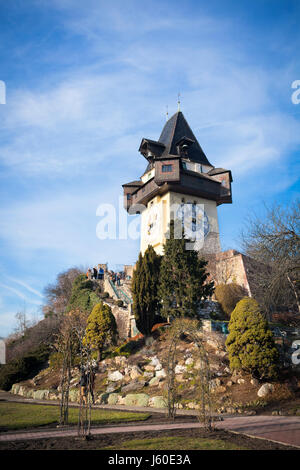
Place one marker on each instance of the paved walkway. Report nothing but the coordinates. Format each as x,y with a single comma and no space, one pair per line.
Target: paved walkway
281,429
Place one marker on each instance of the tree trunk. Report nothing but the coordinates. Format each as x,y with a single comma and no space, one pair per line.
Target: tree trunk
295,292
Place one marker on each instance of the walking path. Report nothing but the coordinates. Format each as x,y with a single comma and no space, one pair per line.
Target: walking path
281,429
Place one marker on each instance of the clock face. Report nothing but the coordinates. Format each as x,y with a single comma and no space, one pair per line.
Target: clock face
194,220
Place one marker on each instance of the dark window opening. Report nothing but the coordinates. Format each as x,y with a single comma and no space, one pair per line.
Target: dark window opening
167,168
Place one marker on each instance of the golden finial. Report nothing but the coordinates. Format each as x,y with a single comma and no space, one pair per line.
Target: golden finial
167,113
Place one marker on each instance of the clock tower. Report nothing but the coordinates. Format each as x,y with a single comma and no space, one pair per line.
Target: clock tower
178,184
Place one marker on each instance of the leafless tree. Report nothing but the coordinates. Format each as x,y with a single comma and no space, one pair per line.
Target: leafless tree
274,242
58,294
22,322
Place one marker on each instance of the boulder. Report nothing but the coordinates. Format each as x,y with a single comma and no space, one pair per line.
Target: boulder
133,386
158,367
158,402
154,381
113,398
120,361
189,361
149,368
115,376
53,396
102,398
135,372
161,373
192,406
121,400
154,361
180,369
148,375
111,388
40,394
265,389
138,399
15,389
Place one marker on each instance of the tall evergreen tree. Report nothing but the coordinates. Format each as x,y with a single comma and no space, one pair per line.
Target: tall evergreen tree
183,278
144,290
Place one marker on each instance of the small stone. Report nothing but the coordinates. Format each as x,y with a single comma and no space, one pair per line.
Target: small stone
115,376
220,389
148,375
229,383
254,382
189,361
161,373
265,389
180,369
241,381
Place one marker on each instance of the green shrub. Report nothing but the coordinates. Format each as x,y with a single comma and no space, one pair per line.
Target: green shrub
83,296
56,360
128,348
228,295
250,343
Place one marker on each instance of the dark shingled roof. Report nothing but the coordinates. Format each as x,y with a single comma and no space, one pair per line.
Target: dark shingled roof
133,183
175,129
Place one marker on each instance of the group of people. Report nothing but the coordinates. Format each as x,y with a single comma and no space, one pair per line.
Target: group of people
95,273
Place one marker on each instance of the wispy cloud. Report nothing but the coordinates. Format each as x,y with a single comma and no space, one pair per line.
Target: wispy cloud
19,294
27,286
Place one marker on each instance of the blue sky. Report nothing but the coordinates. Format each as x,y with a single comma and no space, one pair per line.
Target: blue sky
87,80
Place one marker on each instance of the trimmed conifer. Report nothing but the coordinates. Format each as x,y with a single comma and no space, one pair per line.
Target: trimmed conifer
101,329
250,342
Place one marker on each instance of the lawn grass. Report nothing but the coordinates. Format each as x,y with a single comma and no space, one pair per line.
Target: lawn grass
22,416
176,443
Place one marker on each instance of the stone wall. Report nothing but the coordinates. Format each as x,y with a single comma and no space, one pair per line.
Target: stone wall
231,266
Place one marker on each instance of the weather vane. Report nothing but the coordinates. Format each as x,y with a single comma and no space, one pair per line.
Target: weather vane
178,102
